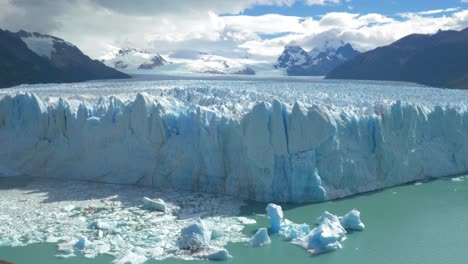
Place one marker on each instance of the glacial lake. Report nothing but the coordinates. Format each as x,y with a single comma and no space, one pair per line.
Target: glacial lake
414,223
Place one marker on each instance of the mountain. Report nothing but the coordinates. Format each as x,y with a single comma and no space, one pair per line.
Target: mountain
179,62
439,60
215,64
156,61
131,59
297,62
29,58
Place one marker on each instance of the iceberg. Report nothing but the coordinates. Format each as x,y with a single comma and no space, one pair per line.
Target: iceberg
328,216
275,214
196,240
195,237
352,221
156,204
82,243
221,254
327,236
235,140
260,238
290,230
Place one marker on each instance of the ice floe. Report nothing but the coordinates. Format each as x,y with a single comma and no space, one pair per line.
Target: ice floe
156,204
89,219
260,238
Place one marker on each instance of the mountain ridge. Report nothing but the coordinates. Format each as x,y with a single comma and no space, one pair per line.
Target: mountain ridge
29,58
439,59
297,62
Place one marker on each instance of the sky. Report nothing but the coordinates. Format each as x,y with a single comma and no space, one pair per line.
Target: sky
231,28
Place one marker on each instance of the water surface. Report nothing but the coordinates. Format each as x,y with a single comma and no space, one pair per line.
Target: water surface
424,223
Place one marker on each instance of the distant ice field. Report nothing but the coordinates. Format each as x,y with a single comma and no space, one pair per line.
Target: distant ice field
235,96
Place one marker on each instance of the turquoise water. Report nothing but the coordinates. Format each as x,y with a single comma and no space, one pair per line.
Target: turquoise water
425,223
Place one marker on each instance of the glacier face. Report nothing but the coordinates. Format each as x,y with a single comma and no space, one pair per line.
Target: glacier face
266,141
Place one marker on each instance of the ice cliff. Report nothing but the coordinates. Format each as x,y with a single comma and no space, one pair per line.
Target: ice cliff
269,151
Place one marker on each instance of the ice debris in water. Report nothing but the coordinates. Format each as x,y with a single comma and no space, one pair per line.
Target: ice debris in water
98,222
260,238
327,215
221,254
156,204
290,230
196,239
81,244
326,236
131,258
352,221
275,213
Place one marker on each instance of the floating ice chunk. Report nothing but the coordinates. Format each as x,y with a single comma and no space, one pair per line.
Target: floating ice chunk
285,227
81,244
275,213
68,208
329,216
156,204
327,236
131,258
352,221
101,225
246,221
221,254
65,256
195,237
290,230
458,179
260,238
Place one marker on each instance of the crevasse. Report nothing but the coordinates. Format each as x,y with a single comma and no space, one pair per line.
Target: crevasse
274,152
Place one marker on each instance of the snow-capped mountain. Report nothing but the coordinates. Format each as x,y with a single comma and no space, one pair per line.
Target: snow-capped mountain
292,56
156,61
131,59
214,64
37,58
178,62
318,61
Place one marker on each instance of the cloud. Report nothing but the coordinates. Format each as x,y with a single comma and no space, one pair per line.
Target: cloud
429,12
323,2
161,7
213,26
35,15
363,31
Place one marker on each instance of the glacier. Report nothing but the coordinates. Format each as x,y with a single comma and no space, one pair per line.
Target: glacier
268,141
